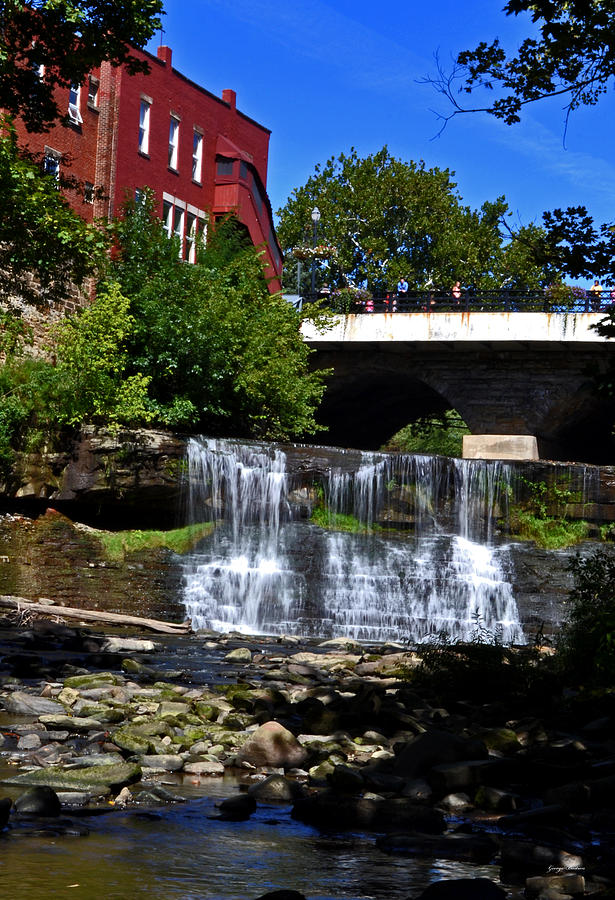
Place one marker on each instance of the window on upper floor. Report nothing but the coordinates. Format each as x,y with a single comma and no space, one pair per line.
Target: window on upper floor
197,156
186,223
173,142
178,228
224,166
51,163
167,217
192,224
144,116
74,101
243,170
93,86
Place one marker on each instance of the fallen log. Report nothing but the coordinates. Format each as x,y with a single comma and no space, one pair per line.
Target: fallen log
21,604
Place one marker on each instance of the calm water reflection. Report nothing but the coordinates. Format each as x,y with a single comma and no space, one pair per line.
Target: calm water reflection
178,853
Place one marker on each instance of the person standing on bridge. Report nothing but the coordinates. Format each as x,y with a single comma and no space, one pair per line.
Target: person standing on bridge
456,292
596,294
402,286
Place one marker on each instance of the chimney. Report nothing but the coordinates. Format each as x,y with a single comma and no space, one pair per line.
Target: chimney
229,97
165,54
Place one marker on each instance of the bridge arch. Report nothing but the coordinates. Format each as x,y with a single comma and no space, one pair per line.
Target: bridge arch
385,377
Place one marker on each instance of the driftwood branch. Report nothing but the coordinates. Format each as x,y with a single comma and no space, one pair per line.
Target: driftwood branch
21,604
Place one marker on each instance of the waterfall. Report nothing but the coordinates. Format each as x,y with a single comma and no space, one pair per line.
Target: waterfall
416,558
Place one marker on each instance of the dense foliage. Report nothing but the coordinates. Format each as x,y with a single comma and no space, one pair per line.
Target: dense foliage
67,38
387,218
219,351
587,646
198,347
39,233
431,434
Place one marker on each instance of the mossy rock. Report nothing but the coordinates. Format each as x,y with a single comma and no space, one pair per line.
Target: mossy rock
106,714
206,711
192,734
167,686
95,780
126,739
241,697
503,739
134,667
239,721
100,679
320,773
152,728
172,708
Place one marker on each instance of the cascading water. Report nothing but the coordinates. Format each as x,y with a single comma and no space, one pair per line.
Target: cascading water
269,569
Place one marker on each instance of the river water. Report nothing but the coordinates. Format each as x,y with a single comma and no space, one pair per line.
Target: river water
271,569
181,854
177,852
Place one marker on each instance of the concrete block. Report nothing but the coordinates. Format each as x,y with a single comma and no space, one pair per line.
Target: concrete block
500,446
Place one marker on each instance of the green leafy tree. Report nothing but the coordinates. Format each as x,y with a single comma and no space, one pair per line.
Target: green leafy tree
571,56
68,38
389,218
40,235
222,353
92,365
84,379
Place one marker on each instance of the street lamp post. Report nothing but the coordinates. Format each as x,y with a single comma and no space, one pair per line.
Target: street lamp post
315,221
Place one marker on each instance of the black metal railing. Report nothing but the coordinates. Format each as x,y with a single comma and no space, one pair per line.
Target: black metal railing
502,300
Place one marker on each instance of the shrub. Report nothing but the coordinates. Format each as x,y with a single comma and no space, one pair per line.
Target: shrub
586,651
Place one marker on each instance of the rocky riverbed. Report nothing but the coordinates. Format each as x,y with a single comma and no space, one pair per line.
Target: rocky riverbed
352,741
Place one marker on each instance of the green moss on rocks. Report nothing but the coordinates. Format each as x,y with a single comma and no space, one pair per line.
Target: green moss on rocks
96,780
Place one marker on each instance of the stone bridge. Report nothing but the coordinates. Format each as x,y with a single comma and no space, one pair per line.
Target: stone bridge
506,373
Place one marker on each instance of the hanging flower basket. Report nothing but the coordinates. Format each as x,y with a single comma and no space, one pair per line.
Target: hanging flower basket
321,251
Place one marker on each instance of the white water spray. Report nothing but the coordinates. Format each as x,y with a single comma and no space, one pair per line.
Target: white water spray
267,570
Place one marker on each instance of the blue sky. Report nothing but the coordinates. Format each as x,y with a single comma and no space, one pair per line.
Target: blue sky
326,76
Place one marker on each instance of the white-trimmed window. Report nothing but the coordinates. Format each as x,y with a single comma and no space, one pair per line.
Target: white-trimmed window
185,222
93,85
197,155
144,115
173,142
167,217
178,228
74,101
51,163
191,236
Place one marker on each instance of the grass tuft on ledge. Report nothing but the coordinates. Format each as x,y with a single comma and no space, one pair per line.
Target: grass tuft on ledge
117,544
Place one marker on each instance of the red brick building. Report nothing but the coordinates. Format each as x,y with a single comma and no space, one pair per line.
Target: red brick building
202,156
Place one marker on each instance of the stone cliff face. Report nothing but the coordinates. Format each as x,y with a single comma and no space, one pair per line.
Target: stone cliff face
132,479
136,479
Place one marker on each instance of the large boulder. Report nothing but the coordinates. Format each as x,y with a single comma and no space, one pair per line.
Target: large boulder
23,704
97,780
39,801
435,747
273,745
521,859
237,808
276,788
